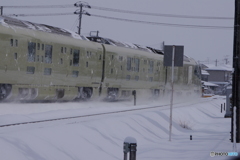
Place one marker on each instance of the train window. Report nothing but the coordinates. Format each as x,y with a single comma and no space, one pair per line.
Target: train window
120,58
15,56
70,63
16,42
31,51
76,57
136,78
145,61
42,46
30,70
75,73
128,77
47,71
37,58
11,42
137,65
86,64
150,65
48,54
38,46
100,56
129,64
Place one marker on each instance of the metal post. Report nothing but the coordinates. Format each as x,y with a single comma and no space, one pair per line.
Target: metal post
133,151
80,19
134,94
125,150
234,128
221,108
171,103
1,10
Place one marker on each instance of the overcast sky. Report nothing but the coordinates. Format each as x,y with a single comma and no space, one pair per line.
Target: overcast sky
201,44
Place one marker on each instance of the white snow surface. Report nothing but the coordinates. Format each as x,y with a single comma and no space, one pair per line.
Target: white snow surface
102,137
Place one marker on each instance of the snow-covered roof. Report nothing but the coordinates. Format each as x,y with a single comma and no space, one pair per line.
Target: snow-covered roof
219,67
204,72
209,84
40,27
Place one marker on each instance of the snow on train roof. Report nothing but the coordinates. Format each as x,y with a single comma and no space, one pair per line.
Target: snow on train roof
40,27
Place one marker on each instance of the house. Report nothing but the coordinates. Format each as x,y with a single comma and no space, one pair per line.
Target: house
220,75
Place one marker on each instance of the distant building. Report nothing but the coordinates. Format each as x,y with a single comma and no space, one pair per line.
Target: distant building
220,75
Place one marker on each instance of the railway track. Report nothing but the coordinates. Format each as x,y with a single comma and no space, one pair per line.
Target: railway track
183,104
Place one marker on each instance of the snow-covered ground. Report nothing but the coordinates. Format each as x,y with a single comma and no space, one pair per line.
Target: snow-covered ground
101,137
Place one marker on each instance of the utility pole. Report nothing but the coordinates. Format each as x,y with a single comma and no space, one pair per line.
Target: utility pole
235,124
1,10
81,4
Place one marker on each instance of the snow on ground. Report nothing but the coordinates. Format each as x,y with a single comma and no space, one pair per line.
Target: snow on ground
102,137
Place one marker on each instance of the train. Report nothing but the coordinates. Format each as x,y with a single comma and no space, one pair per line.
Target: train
39,62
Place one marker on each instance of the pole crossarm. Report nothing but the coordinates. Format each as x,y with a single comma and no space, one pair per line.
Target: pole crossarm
80,12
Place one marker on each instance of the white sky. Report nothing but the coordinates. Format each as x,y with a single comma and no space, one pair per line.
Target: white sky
201,44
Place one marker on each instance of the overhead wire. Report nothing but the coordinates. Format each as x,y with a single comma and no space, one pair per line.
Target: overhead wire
126,20
160,14
124,11
129,20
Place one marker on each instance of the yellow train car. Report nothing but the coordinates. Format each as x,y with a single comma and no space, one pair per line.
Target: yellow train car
41,62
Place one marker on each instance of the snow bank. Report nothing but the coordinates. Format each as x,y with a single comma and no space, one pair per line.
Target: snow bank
102,137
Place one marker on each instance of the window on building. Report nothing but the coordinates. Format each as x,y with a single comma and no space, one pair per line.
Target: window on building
150,79
37,58
11,42
76,57
75,73
30,70
150,66
15,56
136,78
48,53
47,71
31,51
128,77
43,47
129,64
136,65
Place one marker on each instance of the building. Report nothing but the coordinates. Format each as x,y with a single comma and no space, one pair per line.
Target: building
220,75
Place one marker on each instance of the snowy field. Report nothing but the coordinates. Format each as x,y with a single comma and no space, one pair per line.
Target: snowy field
101,137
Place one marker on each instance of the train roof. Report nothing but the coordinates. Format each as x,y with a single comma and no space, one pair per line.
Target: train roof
56,30
40,27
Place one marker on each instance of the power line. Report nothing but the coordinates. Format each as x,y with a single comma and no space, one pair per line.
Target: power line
124,11
129,20
38,14
161,14
41,6
165,24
